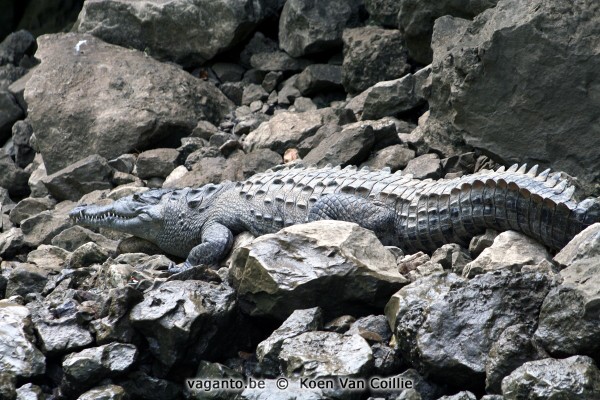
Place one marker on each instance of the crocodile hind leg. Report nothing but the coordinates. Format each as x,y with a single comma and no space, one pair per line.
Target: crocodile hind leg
373,215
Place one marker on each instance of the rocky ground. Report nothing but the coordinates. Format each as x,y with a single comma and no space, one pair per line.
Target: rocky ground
172,94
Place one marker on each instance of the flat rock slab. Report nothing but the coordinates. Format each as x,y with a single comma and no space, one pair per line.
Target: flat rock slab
89,97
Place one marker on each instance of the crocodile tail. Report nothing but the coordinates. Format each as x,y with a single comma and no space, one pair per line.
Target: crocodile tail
539,205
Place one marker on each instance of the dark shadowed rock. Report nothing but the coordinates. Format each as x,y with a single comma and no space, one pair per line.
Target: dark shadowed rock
149,387
335,265
12,177
123,106
421,388
573,378
513,348
543,113
59,334
372,55
569,317
21,135
451,256
16,46
182,315
187,32
416,18
277,61
446,326
308,27
383,13
318,78
10,112
84,176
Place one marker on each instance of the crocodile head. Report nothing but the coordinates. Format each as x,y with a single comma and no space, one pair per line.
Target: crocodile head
140,215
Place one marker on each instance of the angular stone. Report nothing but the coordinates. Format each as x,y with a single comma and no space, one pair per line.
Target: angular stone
350,146
481,242
90,366
228,72
319,78
277,61
307,27
10,112
13,178
25,279
511,250
18,355
185,320
71,238
283,131
573,378
569,317
86,255
12,242
394,157
84,176
383,13
50,258
540,77
122,108
253,92
373,328
42,227
513,348
29,207
416,18
451,256
300,321
446,325
325,354
335,265
187,32
372,55
21,136
156,162
425,166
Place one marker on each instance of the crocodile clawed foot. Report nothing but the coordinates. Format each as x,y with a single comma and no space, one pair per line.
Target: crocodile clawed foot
178,268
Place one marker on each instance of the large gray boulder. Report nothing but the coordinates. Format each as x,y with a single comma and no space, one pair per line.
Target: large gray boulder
372,55
89,97
335,265
446,325
312,26
184,319
506,81
188,32
569,317
416,19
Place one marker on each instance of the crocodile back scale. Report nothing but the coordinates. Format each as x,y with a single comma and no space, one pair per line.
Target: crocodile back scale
413,214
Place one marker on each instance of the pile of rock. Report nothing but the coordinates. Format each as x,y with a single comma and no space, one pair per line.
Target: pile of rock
184,93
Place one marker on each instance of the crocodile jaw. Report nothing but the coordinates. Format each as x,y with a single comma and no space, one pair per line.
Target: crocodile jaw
116,216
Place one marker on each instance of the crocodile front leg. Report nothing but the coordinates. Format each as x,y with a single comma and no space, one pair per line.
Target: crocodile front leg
373,215
217,240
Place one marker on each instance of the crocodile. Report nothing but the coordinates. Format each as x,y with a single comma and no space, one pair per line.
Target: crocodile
198,224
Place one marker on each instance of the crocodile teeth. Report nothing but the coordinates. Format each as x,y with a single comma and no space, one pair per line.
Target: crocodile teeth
513,168
501,169
523,169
